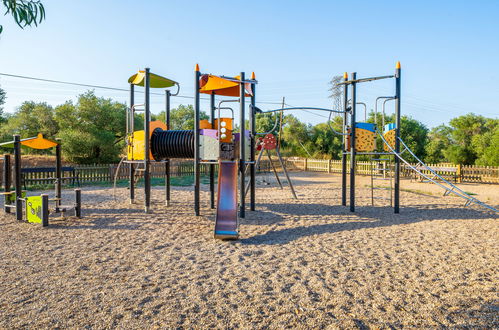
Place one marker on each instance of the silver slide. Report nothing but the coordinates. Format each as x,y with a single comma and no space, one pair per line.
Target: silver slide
449,187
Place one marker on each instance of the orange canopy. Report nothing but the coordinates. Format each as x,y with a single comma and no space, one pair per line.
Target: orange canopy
210,84
38,142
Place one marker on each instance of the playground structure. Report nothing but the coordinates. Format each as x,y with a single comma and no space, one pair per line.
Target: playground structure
214,142
361,140
37,208
211,142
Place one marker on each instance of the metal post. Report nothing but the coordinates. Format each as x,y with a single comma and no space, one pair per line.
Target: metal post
252,144
352,142
286,173
212,166
130,128
197,173
45,210
167,163
7,176
147,119
397,141
58,175
343,149
78,203
242,150
17,177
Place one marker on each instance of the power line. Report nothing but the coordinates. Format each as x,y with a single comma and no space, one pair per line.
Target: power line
102,87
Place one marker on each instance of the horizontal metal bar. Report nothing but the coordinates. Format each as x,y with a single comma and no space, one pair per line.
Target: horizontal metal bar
361,80
303,108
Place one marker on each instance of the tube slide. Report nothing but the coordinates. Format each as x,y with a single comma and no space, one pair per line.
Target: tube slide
226,221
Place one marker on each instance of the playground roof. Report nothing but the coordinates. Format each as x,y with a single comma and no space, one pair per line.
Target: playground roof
156,81
210,84
38,142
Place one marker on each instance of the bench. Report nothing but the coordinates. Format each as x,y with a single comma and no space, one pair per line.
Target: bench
444,172
28,173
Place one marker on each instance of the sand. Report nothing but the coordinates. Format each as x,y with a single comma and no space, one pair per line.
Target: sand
308,263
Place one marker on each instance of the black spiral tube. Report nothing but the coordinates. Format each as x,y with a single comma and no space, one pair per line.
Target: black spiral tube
172,144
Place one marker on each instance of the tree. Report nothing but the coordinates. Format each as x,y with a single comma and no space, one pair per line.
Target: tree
24,12
182,117
296,137
415,136
486,145
92,130
463,130
439,139
30,119
266,122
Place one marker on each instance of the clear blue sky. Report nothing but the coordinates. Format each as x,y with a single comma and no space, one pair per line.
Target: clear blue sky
448,50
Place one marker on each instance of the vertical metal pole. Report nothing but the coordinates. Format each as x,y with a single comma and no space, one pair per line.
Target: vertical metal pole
344,148
242,150
58,175
147,119
397,141
352,143
17,177
167,163
212,166
7,176
45,210
78,203
197,173
252,144
130,129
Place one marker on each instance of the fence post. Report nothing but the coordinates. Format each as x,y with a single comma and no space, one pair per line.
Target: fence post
459,173
306,164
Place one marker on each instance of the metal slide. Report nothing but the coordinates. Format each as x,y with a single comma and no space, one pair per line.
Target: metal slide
449,187
226,221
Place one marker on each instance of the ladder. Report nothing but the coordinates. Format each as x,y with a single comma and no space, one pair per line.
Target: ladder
381,174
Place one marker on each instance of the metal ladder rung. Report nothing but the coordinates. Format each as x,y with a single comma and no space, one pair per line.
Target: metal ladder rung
382,188
379,178
377,197
381,169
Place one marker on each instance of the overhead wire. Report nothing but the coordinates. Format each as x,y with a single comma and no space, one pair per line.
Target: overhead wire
104,87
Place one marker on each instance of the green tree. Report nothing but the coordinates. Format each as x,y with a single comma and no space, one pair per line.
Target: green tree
30,119
182,117
266,122
415,136
24,12
486,145
439,139
92,130
464,130
326,144
296,137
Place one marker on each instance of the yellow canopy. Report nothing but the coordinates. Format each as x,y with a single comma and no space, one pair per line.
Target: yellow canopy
210,84
156,81
38,142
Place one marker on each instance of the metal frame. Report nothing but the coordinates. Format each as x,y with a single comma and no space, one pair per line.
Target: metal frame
353,153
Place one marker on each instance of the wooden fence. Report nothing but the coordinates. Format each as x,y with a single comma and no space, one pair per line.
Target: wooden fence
105,173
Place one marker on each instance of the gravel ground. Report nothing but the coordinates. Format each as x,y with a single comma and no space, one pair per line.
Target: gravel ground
308,263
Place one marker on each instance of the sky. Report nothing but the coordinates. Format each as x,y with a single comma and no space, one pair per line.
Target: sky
448,51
